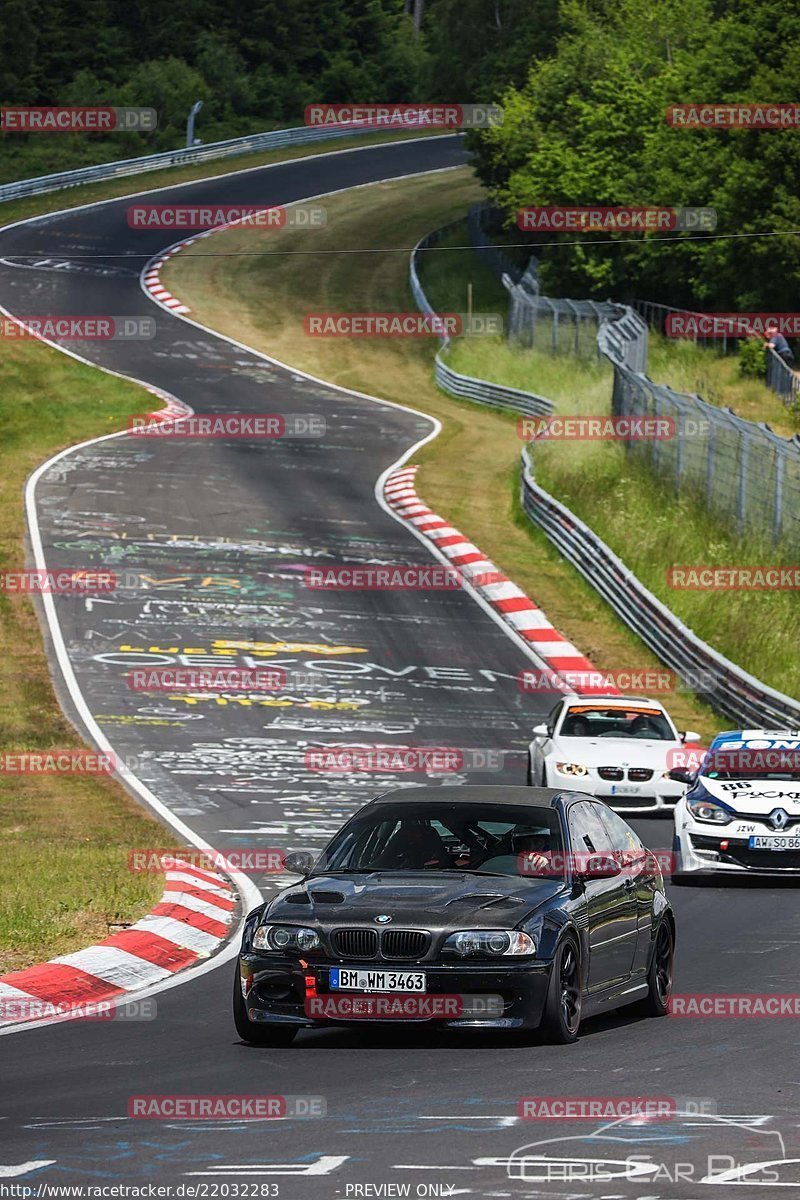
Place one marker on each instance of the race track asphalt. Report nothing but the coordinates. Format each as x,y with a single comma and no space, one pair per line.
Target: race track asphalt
212,540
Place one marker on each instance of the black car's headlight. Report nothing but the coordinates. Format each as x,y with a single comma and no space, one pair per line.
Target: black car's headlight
494,942
704,808
285,937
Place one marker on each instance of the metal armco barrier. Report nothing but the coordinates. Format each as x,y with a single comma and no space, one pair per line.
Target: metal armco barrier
732,691
274,139
496,395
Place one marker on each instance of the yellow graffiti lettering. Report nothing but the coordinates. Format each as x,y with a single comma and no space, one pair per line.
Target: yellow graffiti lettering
220,581
288,647
150,649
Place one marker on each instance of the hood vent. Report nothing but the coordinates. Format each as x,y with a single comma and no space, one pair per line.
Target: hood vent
485,899
315,898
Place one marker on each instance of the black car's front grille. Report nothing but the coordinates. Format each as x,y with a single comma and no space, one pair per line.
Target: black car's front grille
404,943
611,773
395,944
356,943
639,774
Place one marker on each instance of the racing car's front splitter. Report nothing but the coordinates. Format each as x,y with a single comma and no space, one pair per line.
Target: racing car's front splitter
701,849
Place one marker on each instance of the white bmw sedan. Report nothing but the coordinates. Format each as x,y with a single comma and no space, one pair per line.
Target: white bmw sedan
618,748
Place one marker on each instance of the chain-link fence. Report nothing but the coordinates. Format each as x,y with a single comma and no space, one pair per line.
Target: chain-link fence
480,226
740,470
535,321
555,326
781,378
656,315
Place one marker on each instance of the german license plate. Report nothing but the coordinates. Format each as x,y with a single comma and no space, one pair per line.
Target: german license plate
774,843
359,979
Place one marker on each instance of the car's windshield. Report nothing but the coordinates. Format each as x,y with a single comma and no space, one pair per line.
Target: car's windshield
727,763
638,721
468,837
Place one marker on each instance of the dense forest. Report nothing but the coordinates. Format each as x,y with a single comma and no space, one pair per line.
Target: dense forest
584,85
588,126
255,65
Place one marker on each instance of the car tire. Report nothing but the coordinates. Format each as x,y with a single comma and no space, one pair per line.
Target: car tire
659,975
562,1007
258,1035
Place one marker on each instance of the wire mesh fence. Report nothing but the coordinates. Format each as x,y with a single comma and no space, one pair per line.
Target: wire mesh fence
740,470
781,378
556,326
480,223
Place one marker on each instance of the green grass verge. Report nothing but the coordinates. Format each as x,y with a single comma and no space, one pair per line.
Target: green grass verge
679,363
65,838
263,301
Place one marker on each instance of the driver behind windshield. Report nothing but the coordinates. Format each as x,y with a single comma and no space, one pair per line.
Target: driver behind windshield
529,853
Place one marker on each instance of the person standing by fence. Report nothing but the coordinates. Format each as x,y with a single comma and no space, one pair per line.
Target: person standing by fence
777,342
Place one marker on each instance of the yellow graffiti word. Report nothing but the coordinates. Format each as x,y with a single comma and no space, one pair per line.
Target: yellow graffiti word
287,648
225,649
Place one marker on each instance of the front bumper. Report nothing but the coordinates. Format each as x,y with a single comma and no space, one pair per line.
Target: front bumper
277,991
653,795
705,849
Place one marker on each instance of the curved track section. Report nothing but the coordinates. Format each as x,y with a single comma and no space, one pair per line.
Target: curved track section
214,538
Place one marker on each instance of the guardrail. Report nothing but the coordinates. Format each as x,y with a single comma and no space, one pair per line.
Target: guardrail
271,140
482,391
732,691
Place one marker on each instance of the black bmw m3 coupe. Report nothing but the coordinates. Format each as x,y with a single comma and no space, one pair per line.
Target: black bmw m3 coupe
487,907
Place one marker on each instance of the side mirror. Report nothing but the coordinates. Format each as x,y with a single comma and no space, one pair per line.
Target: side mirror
681,775
299,862
690,736
541,731
601,866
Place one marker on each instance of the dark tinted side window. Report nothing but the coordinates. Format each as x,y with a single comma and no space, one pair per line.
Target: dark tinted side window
587,831
622,836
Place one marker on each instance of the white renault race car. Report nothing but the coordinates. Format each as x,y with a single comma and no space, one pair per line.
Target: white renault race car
742,810
619,748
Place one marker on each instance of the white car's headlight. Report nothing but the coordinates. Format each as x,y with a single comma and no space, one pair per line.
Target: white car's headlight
500,942
569,768
285,937
703,808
